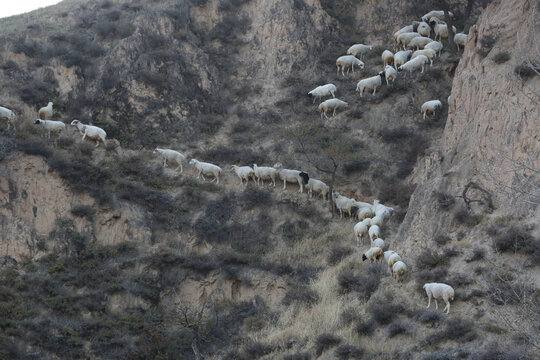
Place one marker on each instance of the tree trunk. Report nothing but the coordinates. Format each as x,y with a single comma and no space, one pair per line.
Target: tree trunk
330,192
195,349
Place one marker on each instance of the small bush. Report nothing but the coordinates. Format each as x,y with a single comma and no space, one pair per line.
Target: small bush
365,328
256,350
455,329
83,211
325,342
514,239
398,327
525,70
429,259
445,201
300,294
428,317
427,276
337,253
34,147
477,254
487,42
348,351
442,239
299,356
356,166
384,313
253,197
501,57
365,283
28,47
451,252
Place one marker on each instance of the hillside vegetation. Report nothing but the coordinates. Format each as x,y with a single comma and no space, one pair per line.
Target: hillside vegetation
106,254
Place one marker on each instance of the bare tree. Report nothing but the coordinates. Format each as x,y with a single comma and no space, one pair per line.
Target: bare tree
327,148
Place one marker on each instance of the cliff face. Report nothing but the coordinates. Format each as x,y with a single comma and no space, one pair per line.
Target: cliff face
493,132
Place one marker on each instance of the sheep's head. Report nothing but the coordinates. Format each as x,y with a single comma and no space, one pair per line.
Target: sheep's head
157,150
50,103
364,257
400,69
382,75
192,161
280,165
38,121
75,122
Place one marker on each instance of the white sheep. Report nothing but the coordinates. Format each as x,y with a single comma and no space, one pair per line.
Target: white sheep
365,210
460,39
429,53
440,28
265,172
401,57
244,173
377,220
343,204
430,106
373,254
405,29
90,131
171,155
374,231
423,29
404,38
370,83
207,169
51,126
348,61
292,176
414,64
317,186
436,14
398,270
331,104
439,291
9,115
360,230
359,49
323,90
378,242
435,45
419,42
391,259
387,57
390,74
46,112
382,210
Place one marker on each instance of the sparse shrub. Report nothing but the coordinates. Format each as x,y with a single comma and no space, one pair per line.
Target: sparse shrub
34,147
456,329
450,252
298,356
253,197
365,328
395,135
114,30
28,47
348,351
365,283
444,200
463,217
337,253
356,166
440,356
487,42
477,254
301,294
501,57
325,342
83,211
256,350
514,239
429,259
232,155
428,317
398,327
383,313
459,280
294,231
442,239
527,70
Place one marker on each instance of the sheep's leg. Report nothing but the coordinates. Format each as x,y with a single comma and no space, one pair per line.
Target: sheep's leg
374,90
334,113
284,184
429,301
301,187
337,69
424,115
217,179
436,305
447,307
181,168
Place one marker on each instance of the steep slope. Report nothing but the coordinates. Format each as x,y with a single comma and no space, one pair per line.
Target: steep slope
108,255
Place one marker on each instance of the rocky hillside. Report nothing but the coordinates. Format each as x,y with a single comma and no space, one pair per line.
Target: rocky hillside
106,254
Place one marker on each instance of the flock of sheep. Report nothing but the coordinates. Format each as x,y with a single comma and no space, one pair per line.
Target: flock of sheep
371,216
418,50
